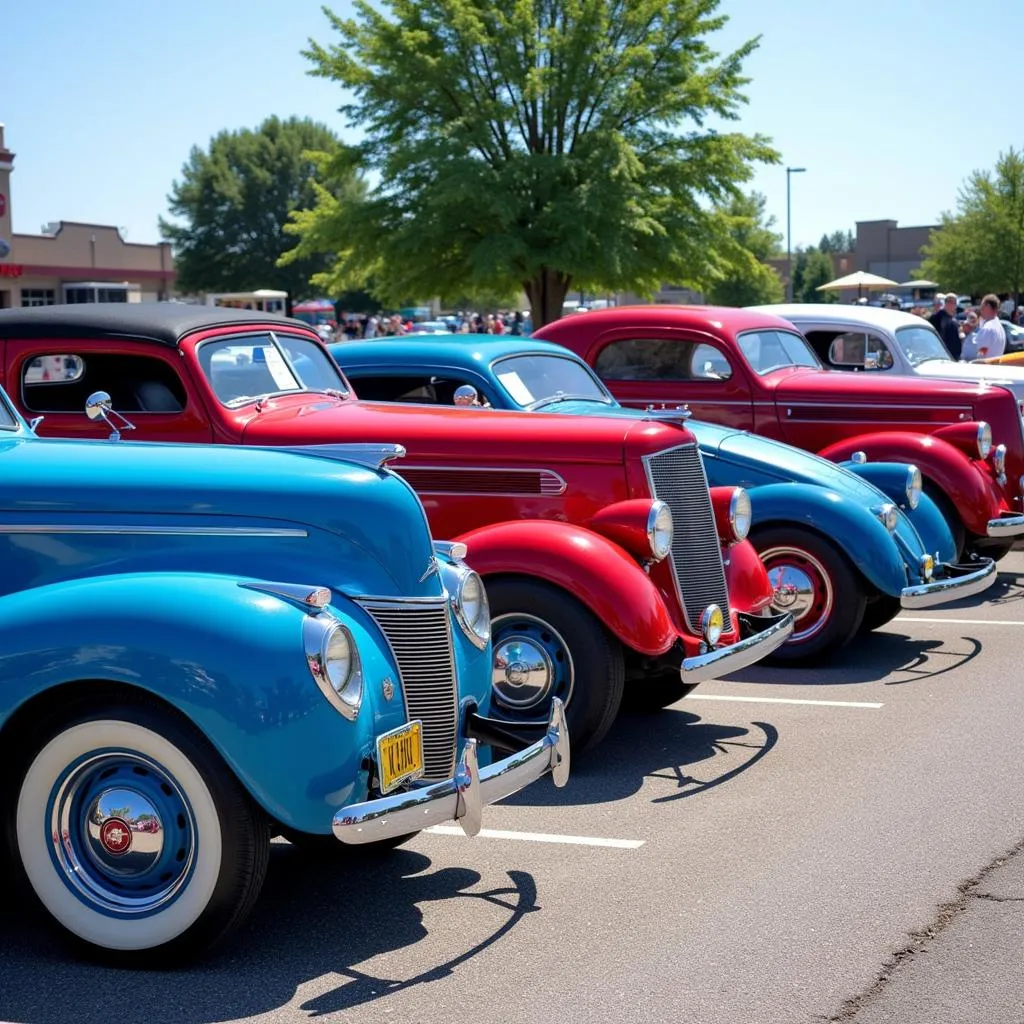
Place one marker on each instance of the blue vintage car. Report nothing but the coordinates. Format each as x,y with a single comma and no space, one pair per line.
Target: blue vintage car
846,548
202,647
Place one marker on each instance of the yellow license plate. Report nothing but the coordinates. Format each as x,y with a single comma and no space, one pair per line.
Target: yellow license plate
400,756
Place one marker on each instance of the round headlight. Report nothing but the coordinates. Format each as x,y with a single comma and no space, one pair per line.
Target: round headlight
660,530
999,459
472,609
984,440
334,662
712,622
887,515
914,486
740,513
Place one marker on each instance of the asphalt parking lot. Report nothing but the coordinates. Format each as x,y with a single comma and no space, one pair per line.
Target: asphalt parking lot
838,844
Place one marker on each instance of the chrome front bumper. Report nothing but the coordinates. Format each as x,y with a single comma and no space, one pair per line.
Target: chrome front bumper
1009,524
462,797
759,636
959,581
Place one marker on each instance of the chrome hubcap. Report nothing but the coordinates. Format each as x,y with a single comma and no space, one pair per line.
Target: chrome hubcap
531,664
122,833
802,586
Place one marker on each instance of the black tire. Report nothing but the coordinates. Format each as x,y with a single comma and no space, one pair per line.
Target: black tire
836,603
656,692
200,857
880,612
587,666
320,847
950,514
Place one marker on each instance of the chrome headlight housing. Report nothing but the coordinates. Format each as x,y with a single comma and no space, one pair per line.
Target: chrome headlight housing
984,439
712,623
914,486
740,514
660,530
887,515
469,601
333,661
999,459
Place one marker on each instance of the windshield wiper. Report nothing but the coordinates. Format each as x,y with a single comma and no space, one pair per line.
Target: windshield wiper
569,398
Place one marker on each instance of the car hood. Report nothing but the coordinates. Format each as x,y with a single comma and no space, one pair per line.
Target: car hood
869,388
1011,377
366,529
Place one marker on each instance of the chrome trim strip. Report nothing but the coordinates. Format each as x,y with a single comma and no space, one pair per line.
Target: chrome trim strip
873,405
755,643
551,483
156,531
463,795
959,581
372,455
310,596
1008,524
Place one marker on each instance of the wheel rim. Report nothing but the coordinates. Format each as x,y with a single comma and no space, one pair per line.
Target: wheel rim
531,665
122,833
800,585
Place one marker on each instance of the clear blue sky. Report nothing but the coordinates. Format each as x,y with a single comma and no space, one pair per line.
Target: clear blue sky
889,104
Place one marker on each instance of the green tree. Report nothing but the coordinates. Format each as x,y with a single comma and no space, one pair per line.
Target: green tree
746,280
542,145
980,248
811,269
837,241
233,201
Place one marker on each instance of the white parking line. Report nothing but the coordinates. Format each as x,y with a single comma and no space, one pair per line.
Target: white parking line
539,837
785,700
965,622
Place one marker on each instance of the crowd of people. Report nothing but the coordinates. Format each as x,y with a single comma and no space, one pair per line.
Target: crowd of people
353,326
970,332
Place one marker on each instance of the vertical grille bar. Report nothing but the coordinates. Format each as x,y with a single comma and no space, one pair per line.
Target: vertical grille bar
419,634
677,477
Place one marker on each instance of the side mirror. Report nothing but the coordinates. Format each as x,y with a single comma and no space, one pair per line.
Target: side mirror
466,394
98,406
34,422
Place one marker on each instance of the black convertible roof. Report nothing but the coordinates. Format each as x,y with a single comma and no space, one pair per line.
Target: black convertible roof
163,322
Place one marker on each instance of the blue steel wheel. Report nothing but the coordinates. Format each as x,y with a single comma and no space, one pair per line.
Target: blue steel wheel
135,836
547,644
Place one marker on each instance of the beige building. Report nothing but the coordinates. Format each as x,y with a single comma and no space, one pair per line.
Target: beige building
73,262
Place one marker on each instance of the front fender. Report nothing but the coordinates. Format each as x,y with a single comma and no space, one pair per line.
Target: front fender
968,486
750,590
596,571
849,525
230,659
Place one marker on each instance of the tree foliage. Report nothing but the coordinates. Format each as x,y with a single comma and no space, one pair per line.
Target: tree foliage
838,241
980,248
747,280
812,268
232,204
533,144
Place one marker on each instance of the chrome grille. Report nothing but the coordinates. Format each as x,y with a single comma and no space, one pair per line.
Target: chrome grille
419,635
677,477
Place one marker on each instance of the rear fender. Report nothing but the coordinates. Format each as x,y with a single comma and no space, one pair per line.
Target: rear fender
230,659
596,571
849,525
967,485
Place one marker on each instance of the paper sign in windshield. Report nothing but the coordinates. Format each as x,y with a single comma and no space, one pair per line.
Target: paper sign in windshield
278,368
515,387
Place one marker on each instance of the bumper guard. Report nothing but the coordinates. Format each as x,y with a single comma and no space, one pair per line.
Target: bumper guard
759,636
958,581
1008,524
463,796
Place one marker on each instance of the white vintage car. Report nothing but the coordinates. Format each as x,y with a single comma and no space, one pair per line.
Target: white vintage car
868,338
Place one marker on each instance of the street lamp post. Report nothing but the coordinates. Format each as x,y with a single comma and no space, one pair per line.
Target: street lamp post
789,243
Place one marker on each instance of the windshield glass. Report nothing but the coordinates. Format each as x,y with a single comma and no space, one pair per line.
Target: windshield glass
534,380
920,344
7,420
242,369
775,350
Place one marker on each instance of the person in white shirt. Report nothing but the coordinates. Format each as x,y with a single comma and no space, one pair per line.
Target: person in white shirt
989,340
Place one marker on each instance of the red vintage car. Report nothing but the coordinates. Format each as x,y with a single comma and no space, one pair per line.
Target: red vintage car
754,371
598,538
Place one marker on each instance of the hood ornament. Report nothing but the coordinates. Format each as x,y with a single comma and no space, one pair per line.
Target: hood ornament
432,568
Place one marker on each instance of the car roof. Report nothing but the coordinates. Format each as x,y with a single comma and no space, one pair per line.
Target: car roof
464,349
713,319
831,312
163,322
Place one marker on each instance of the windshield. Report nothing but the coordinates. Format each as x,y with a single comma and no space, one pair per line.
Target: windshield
920,344
242,369
533,381
7,420
768,350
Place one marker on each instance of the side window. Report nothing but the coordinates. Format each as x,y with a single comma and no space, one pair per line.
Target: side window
661,359
62,382
426,389
859,350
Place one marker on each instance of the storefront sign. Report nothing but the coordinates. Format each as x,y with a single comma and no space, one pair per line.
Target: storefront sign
3,204
11,270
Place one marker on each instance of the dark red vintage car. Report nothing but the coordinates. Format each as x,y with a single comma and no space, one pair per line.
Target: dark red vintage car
598,539
754,371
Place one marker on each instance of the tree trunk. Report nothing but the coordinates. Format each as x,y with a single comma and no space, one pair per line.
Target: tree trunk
546,291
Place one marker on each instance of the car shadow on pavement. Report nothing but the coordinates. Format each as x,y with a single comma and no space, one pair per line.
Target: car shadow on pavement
316,917
683,753
893,657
